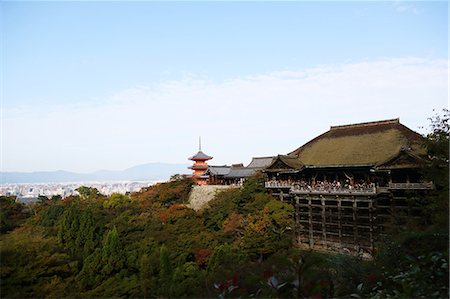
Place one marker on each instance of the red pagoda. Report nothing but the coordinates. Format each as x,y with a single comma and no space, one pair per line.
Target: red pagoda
200,166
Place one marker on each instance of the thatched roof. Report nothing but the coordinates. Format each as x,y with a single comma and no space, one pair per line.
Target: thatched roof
260,162
284,162
371,144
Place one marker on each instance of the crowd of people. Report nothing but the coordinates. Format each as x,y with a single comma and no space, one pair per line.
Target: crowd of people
323,186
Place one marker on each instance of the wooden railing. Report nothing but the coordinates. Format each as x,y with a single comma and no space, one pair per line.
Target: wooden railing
294,188
411,186
364,191
277,185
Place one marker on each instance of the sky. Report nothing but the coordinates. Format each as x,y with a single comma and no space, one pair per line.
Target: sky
110,85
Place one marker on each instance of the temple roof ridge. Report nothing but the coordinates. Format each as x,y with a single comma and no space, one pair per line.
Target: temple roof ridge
367,124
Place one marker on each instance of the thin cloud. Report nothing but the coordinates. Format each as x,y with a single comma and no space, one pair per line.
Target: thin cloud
406,7
260,114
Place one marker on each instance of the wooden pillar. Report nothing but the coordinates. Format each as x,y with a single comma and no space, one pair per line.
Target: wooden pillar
371,230
355,221
324,220
393,214
296,202
311,234
339,205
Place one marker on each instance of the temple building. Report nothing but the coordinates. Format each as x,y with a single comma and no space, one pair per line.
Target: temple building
216,174
200,166
349,184
236,174
380,152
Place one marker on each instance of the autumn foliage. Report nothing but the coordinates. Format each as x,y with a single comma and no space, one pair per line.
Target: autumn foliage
152,245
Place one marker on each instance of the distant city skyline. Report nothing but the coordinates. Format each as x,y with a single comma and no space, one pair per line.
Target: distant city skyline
110,85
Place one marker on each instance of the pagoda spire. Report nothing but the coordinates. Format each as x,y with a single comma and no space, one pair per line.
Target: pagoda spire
200,166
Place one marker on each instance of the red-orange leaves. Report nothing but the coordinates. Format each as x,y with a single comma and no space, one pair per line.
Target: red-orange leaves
174,212
233,223
202,256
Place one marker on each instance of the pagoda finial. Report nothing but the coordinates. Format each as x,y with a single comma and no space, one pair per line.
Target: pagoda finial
199,143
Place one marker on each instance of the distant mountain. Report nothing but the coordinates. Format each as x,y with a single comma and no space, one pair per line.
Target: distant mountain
144,172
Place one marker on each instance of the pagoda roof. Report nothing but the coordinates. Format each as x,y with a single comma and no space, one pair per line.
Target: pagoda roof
199,167
200,156
371,143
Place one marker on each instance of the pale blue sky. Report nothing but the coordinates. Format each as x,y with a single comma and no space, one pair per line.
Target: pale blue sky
73,69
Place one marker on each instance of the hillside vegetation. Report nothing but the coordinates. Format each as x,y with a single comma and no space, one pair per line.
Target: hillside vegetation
150,245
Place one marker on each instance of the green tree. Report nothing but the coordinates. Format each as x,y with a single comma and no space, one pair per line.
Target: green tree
88,234
112,253
226,260
29,261
149,273
117,200
68,229
88,192
78,231
50,215
438,170
268,230
165,271
187,281
91,273
145,272
252,186
12,213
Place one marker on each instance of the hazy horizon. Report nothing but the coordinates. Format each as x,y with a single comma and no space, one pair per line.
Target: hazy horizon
100,170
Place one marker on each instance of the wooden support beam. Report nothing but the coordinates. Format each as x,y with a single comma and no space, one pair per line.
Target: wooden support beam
297,219
311,235
339,218
324,219
371,233
355,221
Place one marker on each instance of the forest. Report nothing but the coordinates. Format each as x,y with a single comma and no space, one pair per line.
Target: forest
150,244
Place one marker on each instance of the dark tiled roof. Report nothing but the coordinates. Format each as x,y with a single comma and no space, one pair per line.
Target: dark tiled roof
219,170
200,156
371,144
240,172
260,162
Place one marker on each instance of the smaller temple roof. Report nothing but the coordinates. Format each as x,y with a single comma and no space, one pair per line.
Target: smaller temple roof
285,162
200,156
260,162
219,170
241,172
